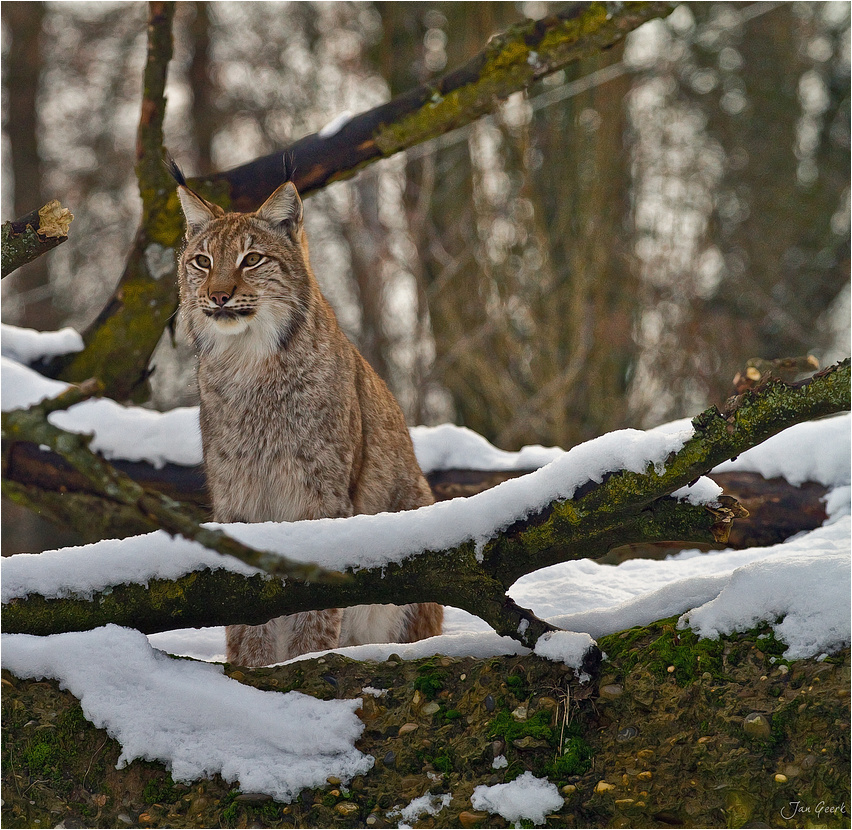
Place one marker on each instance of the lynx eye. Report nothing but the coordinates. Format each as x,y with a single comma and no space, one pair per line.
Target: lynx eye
251,259
202,261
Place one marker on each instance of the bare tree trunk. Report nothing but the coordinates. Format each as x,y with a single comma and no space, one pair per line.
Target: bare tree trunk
22,69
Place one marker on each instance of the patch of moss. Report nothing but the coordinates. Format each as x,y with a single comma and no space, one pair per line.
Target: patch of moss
683,650
576,759
538,726
429,680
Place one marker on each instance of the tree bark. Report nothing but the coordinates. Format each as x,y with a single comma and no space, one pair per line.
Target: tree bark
511,62
27,238
624,508
119,344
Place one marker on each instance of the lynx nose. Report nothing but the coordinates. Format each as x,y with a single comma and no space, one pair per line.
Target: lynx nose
221,297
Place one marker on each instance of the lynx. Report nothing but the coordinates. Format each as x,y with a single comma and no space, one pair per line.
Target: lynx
294,422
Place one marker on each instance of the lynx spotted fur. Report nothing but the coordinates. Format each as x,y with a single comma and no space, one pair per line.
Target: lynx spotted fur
294,422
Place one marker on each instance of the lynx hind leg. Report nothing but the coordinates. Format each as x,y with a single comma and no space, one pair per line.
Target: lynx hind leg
250,645
282,638
308,631
423,619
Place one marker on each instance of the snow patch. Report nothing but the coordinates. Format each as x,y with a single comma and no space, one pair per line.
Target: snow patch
428,805
335,125
807,586
29,345
192,717
568,647
527,797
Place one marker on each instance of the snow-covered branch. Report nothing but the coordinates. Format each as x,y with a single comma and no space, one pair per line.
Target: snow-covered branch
118,491
623,488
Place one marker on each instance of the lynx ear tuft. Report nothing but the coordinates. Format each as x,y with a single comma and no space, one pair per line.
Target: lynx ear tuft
198,212
283,210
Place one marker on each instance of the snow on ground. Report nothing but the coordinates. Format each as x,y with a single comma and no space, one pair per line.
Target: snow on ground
191,716
425,805
527,797
801,587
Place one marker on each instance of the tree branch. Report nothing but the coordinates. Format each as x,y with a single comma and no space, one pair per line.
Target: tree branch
511,62
625,508
119,343
29,237
150,509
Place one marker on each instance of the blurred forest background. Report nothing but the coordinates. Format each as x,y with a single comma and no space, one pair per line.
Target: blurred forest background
605,250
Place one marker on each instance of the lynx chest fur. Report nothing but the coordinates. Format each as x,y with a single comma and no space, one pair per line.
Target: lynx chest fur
295,424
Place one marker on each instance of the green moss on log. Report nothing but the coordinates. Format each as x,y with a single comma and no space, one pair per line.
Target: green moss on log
671,747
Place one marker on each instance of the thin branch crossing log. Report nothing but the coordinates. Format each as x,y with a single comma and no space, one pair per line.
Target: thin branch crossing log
152,509
625,508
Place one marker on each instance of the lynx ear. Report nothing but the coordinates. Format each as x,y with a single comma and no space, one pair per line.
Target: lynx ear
283,210
198,212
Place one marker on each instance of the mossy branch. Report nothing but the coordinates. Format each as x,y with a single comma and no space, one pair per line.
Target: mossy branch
510,62
121,340
624,508
120,494
29,237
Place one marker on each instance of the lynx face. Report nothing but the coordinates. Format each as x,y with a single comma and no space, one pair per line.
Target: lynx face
243,276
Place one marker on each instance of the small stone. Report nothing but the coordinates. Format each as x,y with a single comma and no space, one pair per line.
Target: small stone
780,778
627,733
335,792
547,703
462,677
783,670
333,780
528,742
238,676
645,776
757,726
389,758
706,677
489,703
372,819
520,713
705,739
568,789
671,669
124,818
792,771
392,658
612,691
603,787
430,708
497,747
470,818
407,727
809,762
253,798
346,808
411,783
